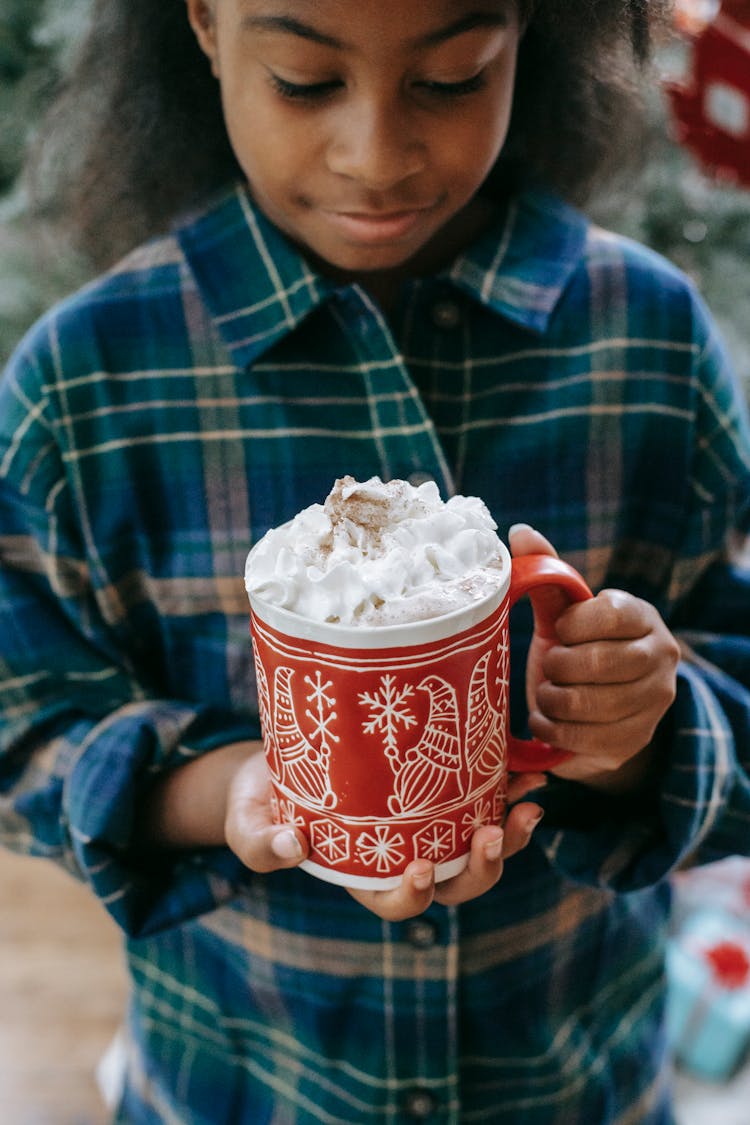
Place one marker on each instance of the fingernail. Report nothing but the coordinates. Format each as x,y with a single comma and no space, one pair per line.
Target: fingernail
493,850
285,845
519,527
422,881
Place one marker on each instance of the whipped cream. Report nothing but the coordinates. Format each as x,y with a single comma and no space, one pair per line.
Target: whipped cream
379,553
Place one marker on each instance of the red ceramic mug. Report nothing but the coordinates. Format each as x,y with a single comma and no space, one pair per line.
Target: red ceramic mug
391,744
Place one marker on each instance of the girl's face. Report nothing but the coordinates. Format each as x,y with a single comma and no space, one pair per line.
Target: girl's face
365,127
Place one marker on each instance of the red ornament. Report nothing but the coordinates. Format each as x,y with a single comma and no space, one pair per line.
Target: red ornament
730,964
711,104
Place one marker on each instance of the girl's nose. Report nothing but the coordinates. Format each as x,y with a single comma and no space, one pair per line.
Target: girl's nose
372,143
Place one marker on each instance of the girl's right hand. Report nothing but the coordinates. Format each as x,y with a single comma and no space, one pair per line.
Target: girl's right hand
249,828
222,797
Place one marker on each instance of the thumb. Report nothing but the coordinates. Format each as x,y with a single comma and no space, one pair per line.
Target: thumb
526,540
250,829
548,602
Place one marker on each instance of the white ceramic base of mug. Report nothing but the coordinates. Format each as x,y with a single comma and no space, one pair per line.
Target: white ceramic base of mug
443,871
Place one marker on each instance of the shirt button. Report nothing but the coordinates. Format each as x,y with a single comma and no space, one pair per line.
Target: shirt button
421,933
421,1103
415,479
446,314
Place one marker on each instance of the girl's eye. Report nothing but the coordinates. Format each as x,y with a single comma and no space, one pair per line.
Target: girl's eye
454,89
319,91
303,91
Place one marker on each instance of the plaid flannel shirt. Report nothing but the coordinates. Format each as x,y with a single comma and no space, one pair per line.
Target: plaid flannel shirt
152,428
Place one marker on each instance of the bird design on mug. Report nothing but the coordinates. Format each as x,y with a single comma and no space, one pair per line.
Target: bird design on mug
430,773
302,764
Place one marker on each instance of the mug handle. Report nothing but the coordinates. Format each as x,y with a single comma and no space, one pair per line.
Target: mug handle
528,573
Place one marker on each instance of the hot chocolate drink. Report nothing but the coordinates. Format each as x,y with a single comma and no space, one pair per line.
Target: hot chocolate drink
379,553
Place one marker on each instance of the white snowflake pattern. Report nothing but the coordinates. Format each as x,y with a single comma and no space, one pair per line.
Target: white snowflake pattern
435,841
387,711
330,839
382,847
287,814
480,814
323,715
503,665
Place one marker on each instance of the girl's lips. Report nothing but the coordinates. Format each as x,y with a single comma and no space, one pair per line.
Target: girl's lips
372,227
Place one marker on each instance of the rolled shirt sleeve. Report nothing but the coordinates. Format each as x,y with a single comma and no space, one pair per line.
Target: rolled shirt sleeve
81,736
697,808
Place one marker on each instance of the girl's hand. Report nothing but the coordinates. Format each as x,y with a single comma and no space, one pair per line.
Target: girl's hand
218,798
249,828
491,845
264,846
225,798
601,690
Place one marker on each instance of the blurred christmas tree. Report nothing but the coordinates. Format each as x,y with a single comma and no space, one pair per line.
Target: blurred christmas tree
38,39
700,223
671,205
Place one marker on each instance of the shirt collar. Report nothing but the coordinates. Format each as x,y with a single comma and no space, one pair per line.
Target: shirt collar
258,287
520,266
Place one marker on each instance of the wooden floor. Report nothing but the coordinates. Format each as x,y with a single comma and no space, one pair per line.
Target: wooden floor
61,995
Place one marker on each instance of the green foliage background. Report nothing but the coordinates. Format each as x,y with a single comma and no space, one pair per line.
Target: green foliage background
38,40
702,226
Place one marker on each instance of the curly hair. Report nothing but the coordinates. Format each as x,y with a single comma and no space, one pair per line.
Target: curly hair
136,135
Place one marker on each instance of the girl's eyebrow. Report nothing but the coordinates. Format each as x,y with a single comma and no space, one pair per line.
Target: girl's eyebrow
292,26
469,22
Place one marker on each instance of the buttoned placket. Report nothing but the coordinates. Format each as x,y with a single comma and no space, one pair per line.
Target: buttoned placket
404,434
422,991
435,331
421,955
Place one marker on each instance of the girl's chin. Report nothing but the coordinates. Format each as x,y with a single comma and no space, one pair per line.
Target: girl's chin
350,263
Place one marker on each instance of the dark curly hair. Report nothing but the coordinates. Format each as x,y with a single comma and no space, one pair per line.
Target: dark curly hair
136,136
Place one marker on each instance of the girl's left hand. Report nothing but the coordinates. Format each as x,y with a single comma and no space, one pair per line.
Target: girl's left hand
603,687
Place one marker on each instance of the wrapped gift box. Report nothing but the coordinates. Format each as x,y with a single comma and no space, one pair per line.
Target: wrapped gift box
724,886
708,1000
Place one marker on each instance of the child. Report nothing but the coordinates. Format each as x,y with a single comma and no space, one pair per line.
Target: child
383,280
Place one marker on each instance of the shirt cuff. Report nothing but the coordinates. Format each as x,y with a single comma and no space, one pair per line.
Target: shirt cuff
628,843
144,892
